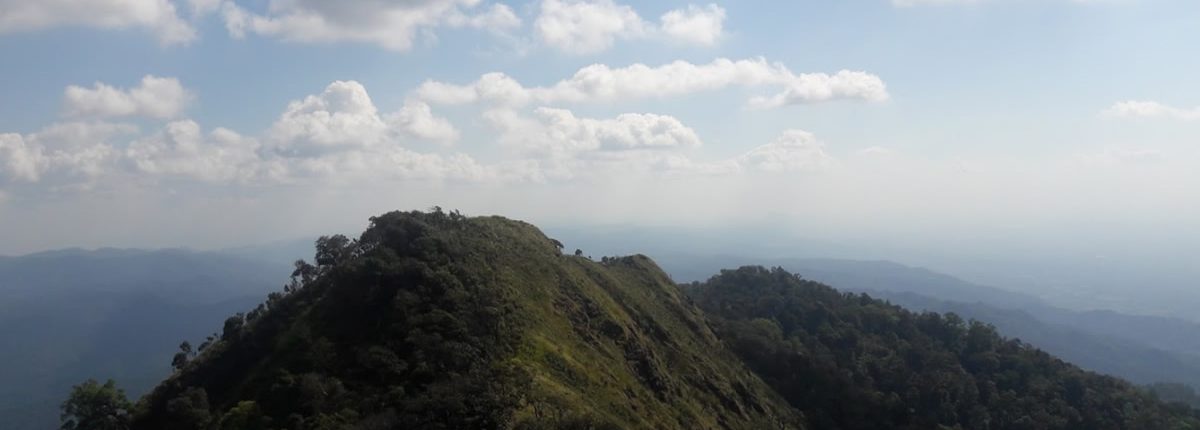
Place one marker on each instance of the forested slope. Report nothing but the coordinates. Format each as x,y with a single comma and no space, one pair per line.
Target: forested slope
440,321
435,320
849,361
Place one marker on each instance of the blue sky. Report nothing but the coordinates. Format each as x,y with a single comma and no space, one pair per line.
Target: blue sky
212,123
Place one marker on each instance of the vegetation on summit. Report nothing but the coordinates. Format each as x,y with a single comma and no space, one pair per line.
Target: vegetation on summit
436,320
95,406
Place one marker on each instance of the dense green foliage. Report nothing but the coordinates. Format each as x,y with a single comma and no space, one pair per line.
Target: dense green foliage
849,361
434,320
1133,361
95,406
1175,393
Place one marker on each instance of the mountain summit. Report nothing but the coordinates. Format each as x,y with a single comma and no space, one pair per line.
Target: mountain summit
436,320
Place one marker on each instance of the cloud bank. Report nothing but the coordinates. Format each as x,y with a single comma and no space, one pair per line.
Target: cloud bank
587,27
160,17
1151,109
602,83
155,98
393,26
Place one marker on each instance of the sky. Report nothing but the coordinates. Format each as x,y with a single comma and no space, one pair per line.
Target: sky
1008,127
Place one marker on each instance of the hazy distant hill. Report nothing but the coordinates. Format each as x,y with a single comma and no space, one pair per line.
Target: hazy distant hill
71,315
1113,355
857,275
174,274
1144,349
1136,284
1149,332
849,361
74,314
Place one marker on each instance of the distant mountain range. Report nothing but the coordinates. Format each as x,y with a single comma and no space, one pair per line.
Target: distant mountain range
436,320
1143,349
74,314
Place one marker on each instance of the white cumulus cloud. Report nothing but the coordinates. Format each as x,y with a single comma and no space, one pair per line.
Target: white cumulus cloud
416,119
336,135
1151,109
343,117
559,131
72,153
156,97
599,82
584,27
566,146
701,25
200,8
499,18
340,133
392,25
182,149
590,26
913,3
21,161
819,87
794,150
157,16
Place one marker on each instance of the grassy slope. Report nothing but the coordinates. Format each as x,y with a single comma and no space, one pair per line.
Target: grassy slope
620,339
615,340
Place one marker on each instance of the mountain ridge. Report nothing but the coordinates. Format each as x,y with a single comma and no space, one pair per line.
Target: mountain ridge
479,322
439,320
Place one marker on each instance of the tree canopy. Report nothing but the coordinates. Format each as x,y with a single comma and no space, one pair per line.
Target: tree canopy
436,320
95,406
848,361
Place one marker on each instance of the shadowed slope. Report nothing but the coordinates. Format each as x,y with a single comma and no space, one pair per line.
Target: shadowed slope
441,321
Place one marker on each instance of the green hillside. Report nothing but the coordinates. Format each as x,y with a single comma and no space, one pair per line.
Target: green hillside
434,320
848,361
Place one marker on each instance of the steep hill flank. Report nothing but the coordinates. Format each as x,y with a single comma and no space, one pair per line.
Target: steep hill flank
434,320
